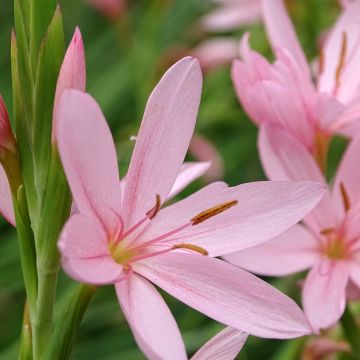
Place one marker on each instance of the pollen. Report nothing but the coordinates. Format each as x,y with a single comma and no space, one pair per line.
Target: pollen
209,213
336,250
192,247
327,231
345,197
153,212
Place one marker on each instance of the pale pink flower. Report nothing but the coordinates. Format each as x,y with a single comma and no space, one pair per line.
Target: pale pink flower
232,14
7,144
202,149
6,204
284,92
328,244
215,52
123,238
322,348
112,9
72,75
226,345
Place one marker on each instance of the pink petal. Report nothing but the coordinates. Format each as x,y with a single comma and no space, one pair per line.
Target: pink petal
163,139
324,295
281,32
85,254
264,210
348,173
88,155
355,270
189,172
227,294
6,204
276,93
72,73
232,16
154,328
224,346
279,151
202,149
295,250
348,24
215,52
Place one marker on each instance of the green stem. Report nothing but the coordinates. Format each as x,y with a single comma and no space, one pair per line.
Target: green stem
68,323
25,352
351,332
42,323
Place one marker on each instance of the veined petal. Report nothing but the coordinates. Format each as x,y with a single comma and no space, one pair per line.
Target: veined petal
6,204
189,172
89,158
224,346
232,16
348,174
279,151
227,294
85,254
344,35
260,211
324,293
281,32
154,328
295,250
163,138
72,73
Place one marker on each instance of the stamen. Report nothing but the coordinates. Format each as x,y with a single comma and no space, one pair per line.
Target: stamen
153,212
192,247
216,210
345,197
132,229
327,231
342,58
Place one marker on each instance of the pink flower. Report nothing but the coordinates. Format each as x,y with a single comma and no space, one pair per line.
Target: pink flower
72,72
202,149
328,244
7,145
123,238
284,92
232,14
215,52
7,139
112,9
224,346
6,204
72,75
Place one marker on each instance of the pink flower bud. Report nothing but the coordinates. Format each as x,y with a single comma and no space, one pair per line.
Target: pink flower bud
7,139
73,71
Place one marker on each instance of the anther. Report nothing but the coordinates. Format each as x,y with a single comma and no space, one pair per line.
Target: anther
345,197
327,231
216,210
192,247
342,58
153,212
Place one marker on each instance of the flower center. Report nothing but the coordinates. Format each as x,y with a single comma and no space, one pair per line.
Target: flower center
336,249
126,248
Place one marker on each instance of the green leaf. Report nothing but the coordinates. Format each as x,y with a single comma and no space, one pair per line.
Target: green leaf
68,323
26,162
41,14
50,59
23,65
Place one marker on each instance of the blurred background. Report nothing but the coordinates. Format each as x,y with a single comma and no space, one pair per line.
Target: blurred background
129,44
